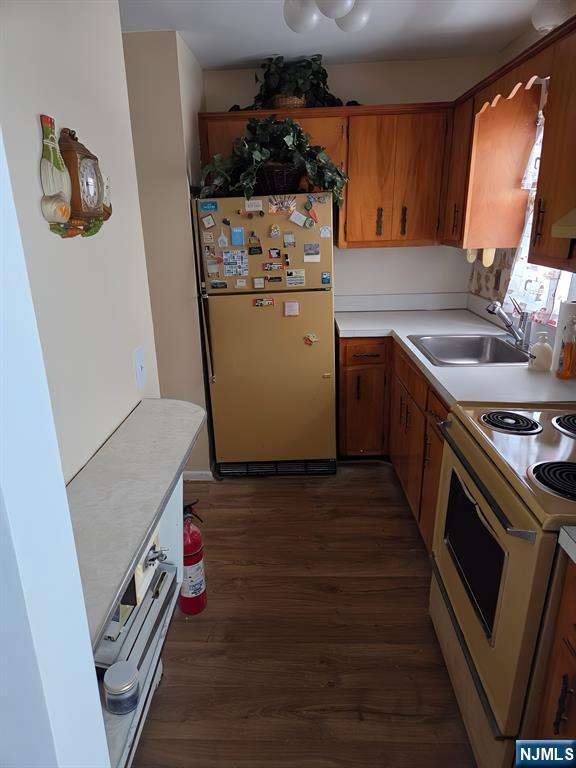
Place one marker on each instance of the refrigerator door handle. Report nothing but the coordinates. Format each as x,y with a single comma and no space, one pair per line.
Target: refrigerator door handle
208,338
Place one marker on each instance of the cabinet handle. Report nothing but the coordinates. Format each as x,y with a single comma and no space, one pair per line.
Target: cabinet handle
401,409
365,354
408,412
403,220
540,211
561,716
455,219
357,387
379,213
426,450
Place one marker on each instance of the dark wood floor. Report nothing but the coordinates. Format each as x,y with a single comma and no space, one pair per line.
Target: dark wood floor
316,650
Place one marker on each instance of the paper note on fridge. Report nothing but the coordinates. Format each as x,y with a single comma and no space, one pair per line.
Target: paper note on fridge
237,235
291,308
235,262
295,277
311,251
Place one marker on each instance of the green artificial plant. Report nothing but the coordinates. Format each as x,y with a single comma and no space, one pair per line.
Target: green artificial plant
269,140
304,78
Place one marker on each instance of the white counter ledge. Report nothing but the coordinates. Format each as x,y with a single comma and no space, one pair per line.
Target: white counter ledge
117,499
487,383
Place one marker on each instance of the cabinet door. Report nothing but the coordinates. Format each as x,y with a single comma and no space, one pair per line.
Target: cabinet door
397,443
433,448
364,430
556,194
328,132
370,191
420,140
217,136
559,710
415,425
455,207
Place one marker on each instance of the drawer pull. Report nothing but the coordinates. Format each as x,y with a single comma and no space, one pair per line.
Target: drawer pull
358,355
379,212
357,387
403,220
455,219
561,715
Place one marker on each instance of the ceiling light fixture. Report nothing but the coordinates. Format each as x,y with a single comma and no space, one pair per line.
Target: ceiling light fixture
301,15
549,14
350,15
334,9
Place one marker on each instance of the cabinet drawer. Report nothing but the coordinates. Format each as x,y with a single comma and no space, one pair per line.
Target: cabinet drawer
436,407
412,379
365,351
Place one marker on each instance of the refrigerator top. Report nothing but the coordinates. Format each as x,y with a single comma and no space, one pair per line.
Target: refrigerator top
266,244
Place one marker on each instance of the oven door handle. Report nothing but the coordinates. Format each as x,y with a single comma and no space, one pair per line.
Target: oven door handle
519,533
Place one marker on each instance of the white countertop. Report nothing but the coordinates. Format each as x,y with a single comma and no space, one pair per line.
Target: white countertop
482,384
117,499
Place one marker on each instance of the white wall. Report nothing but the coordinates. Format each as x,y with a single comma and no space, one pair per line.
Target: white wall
49,705
90,294
165,91
380,82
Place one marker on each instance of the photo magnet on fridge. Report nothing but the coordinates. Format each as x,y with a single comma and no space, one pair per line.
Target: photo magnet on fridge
273,253
207,237
208,221
289,240
295,277
311,251
326,278
208,205
237,235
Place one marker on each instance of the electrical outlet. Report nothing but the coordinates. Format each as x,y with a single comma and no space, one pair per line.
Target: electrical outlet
140,368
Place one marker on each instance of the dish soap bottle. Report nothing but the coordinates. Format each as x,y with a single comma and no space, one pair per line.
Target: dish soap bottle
567,360
540,354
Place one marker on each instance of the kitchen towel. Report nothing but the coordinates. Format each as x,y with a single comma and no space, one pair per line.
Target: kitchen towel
567,310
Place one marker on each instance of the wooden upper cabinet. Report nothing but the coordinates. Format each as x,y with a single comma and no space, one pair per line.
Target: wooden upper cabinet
556,193
370,191
395,169
457,173
217,134
419,156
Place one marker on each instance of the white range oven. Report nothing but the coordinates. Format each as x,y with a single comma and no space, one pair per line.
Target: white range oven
508,484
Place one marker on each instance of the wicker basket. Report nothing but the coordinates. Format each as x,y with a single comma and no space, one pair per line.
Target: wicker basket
281,101
277,179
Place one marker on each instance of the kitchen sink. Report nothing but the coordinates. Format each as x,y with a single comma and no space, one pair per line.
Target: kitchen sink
469,350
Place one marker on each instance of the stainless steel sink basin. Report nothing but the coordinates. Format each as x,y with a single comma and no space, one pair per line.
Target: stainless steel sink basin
469,350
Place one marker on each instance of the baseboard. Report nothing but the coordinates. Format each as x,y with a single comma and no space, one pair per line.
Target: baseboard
380,302
195,476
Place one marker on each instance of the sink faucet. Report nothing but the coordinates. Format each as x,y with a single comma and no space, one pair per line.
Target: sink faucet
521,333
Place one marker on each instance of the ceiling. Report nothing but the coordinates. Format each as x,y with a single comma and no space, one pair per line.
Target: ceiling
237,33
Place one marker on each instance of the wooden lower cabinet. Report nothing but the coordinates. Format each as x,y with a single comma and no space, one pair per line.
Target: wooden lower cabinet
558,713
363,397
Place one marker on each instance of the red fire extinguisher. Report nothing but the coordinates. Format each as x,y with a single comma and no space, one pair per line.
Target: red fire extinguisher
193,591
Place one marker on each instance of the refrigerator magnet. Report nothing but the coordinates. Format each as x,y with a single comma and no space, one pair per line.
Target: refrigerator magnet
274,231
291,308
325,231
275,279
326,278
237,235
281,203
218,284
241,283
296,277
310,339
258,282
208,221
213,268
222,239
207,237
271,266
210,251
252,205
273,253
312,252
263,302
289,240
298,218
320,199
208,205
255,250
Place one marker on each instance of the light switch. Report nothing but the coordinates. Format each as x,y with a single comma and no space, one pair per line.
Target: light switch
140,368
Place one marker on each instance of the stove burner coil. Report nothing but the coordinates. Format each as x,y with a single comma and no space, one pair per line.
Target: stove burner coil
508,421
566,424
557,476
